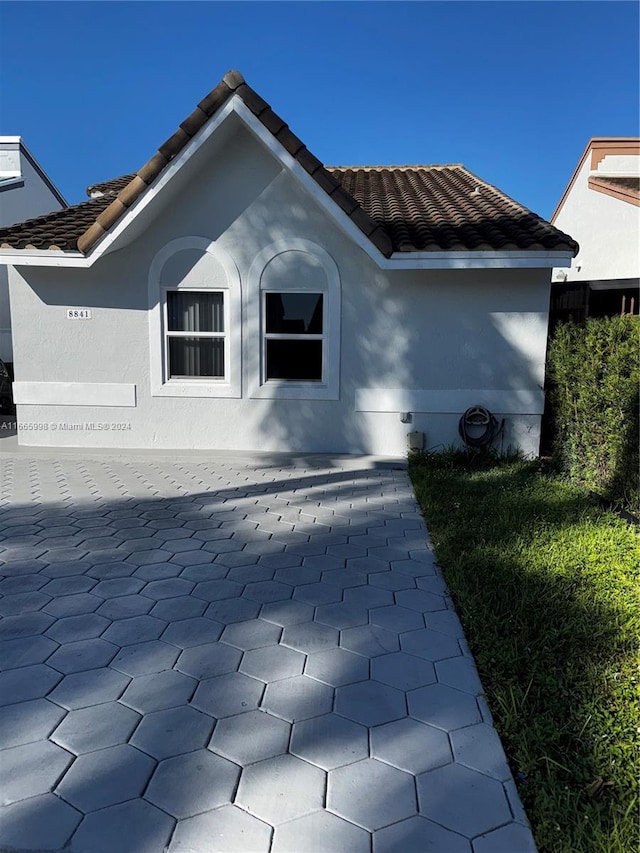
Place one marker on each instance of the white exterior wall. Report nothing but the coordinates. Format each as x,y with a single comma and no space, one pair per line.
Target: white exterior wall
21,198
607,228
429,342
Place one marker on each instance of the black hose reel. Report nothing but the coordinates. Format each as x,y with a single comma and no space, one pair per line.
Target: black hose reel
478,427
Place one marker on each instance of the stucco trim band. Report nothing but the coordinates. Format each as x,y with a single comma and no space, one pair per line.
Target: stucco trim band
512,401
75,394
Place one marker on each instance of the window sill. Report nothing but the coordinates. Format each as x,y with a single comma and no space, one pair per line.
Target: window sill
196,388
276,390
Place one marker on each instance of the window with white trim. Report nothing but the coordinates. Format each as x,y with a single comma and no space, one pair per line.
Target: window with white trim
293,336
196,335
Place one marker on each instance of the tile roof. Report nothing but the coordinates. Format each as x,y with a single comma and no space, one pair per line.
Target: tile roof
399,208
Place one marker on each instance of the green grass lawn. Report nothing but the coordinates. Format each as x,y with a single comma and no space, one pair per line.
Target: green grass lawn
547,587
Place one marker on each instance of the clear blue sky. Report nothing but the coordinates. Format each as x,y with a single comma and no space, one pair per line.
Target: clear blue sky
513,90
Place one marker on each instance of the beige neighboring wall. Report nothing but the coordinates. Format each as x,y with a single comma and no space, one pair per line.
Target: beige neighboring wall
605,220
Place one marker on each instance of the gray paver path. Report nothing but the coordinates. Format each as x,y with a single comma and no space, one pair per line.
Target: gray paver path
211,654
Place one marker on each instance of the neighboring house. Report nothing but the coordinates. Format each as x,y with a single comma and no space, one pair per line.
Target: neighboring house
601,209
25,191
239,295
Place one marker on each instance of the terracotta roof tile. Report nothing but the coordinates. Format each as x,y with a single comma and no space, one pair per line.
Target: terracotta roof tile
57,230
399,208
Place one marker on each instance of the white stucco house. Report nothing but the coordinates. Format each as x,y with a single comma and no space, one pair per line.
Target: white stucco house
235,293
601,208
25,191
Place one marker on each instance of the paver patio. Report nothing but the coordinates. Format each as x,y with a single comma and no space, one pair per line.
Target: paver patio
205,653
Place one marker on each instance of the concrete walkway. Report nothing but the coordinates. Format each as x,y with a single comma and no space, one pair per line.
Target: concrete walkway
203,653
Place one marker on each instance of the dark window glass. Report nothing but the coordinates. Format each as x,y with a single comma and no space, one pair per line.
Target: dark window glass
294,313
195,312
196,357
296,360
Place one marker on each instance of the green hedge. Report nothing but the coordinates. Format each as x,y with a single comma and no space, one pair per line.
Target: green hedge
595,378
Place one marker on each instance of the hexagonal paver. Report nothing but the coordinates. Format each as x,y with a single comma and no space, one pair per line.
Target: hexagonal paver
139,629
73,628
95,727
445,621
189,784
272,663
462,800
168,588
209,660
317,593
369,640
418,833
106,569
506,839
145,658
227,828
24,625
410,745
247,738
85,654
197,631
163,734
251,634
338,836
280,789
420,600
25,651
28,682
217,589
460,673
396,618
329,741
178,609
132,827
228,694
444,707
93,687
368,596
27,722
125,607
32,769
394,581
371,794
267,591
370,703
310,637
403,671
286,612
115,587
479,748
24,602
297,698
73,605
342,615
159,691
337,667
37,823
430,645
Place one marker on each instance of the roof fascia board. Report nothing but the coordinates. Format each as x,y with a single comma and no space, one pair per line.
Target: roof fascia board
478,260
42,258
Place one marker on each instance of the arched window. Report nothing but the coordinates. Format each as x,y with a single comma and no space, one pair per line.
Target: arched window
293,322
195,321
